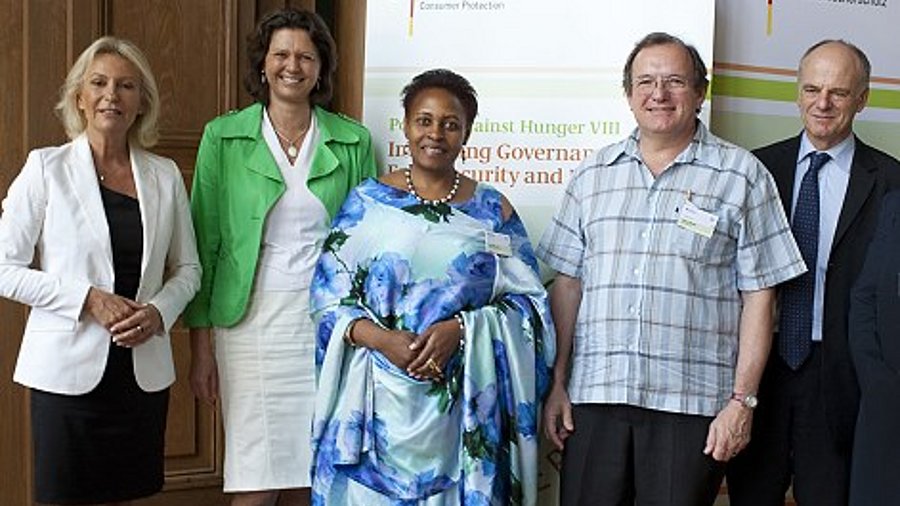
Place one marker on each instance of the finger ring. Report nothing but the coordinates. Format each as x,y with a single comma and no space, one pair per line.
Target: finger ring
433,365
140,329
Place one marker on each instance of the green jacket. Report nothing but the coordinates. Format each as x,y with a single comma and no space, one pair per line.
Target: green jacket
236,183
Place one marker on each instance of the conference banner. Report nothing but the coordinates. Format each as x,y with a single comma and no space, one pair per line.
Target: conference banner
758,47
548,77
549,83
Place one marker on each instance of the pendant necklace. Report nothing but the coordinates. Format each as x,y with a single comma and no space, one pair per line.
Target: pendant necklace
447,198
293,148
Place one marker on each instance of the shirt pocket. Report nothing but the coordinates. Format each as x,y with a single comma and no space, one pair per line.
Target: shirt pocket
719,249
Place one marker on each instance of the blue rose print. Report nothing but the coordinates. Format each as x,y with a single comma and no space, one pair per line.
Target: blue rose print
386,283
351,212
526,419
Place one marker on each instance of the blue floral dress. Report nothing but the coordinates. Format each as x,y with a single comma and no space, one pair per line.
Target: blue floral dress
381,437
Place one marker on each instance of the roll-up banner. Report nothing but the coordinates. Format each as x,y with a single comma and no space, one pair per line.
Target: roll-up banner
548,77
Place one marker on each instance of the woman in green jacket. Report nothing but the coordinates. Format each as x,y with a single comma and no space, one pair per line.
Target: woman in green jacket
267,182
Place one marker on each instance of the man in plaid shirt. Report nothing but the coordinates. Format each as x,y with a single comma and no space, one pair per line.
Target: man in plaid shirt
667,246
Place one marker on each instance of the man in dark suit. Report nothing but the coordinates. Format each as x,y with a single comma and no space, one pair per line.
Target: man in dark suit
875,345
808,398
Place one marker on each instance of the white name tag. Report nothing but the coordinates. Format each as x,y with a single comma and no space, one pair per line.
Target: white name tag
698,221
497,243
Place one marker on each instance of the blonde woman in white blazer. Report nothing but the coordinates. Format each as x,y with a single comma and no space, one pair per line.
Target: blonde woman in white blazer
96,237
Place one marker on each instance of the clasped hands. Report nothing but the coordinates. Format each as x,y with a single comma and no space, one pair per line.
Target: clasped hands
130,323
423,356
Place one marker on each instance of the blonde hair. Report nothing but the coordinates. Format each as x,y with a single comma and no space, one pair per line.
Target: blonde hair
144,132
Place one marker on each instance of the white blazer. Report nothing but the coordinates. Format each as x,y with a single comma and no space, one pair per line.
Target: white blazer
53,213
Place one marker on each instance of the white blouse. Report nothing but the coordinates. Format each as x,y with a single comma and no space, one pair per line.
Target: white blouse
298,222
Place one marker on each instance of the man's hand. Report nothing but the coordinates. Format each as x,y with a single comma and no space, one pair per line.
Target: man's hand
729,432
558,424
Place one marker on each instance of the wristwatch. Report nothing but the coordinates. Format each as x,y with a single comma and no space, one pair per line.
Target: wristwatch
749,401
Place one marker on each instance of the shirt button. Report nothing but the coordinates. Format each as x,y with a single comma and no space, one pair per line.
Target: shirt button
636,272
643,235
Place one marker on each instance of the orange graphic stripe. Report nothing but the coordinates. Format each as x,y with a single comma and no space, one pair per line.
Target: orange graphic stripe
894,81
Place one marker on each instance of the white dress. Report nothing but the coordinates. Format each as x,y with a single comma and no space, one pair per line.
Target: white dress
266,361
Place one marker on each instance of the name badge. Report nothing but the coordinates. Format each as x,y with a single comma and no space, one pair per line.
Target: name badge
698,221
497,243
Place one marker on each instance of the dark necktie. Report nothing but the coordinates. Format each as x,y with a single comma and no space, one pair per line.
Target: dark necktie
795,324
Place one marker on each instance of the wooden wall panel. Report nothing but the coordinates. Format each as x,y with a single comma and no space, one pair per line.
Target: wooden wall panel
19,131
350,35
185,42
44,70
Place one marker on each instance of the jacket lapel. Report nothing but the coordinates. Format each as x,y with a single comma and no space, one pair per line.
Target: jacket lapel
862,180
331,130
247,125
262,162
784,171
86,189
147,187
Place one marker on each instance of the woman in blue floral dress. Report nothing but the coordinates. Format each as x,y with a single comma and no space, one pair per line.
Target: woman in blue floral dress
434,338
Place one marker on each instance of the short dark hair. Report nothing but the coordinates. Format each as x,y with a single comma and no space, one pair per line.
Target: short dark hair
700,82
258,47
448,80
864,65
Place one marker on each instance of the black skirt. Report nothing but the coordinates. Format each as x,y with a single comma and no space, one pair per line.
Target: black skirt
106,445
103,446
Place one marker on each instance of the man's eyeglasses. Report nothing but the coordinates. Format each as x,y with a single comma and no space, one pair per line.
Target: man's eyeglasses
648,83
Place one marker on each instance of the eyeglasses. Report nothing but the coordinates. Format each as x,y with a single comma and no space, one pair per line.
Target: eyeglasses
648,83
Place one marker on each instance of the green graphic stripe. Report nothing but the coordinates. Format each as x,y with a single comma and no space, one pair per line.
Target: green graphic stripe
755,130
786,91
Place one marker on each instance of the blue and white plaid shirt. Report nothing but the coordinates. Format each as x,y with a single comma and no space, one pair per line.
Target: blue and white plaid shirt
660,309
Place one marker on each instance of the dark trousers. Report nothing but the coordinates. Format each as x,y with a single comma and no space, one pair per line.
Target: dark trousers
790,438
624,456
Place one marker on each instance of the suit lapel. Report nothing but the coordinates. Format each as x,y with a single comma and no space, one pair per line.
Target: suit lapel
86,189
783,171
147,187
862,180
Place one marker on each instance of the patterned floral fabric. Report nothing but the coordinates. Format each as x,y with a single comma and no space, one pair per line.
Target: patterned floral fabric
381,437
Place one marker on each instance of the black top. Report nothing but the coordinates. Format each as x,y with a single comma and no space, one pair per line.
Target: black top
123,214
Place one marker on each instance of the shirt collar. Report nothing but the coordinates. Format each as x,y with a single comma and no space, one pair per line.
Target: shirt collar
700,150
841,153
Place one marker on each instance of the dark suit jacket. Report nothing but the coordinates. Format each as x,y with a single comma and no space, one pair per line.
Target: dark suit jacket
872,174
875,346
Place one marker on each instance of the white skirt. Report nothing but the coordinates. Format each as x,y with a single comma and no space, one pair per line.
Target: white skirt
267,384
